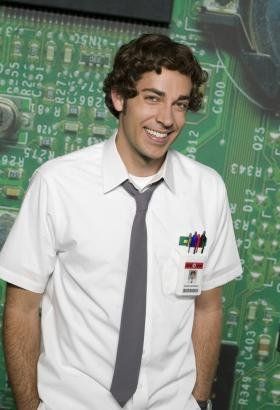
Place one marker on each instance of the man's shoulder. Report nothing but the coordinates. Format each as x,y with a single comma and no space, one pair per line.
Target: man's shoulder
86,159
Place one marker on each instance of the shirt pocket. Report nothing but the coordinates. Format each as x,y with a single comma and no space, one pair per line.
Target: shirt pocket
182,268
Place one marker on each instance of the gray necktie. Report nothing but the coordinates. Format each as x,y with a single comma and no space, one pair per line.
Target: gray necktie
131,335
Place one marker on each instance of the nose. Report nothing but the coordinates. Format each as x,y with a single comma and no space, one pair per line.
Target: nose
165,116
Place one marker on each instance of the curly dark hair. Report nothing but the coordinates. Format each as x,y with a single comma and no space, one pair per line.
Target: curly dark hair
151,52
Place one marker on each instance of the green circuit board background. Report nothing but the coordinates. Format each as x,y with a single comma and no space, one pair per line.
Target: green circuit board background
52,67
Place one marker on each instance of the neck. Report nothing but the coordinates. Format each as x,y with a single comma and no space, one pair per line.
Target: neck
142,169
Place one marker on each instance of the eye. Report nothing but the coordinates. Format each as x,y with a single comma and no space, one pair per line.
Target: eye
152,98
183,105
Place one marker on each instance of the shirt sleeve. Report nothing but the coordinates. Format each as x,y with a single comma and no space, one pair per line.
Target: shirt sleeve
28,256
223,263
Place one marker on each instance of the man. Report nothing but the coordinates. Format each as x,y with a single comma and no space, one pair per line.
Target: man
69,252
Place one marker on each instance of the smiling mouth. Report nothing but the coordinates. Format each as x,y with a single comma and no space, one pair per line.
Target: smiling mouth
160,135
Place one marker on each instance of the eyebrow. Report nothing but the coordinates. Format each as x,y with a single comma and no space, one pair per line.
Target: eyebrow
162,94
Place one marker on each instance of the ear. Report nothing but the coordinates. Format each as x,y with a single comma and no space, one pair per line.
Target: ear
117,100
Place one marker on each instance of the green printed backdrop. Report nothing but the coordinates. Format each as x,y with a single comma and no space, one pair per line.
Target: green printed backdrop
51,102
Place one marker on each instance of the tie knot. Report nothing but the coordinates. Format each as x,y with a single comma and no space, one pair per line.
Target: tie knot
142,198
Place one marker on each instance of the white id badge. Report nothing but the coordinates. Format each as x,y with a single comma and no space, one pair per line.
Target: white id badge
189,277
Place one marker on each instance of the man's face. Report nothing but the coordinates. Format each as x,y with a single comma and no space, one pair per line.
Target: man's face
152,120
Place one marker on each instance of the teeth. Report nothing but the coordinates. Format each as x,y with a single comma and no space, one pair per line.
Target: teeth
156,133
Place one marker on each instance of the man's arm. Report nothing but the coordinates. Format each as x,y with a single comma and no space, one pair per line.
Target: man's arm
206,336
22,333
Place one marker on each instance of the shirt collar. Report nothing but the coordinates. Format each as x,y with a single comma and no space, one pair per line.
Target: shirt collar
168,171
115,173
113,169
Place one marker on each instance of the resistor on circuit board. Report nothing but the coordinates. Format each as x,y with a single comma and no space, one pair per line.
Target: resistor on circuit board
267,315
100,115
45,141
232,317
252,311
50,93
17,45
68,55
101,131
73,110
15,173
264,346
71,127
12,192
33,50
95,60
50,52
261,385
275,392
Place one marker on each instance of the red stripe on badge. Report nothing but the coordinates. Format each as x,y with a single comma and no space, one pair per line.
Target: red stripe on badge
194,265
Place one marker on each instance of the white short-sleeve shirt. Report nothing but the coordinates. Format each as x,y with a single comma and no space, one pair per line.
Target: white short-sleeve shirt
71,240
